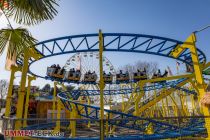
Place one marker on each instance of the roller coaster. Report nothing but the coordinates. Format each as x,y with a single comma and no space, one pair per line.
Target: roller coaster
145,98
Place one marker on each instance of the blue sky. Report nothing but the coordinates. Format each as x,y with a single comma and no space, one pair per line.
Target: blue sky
172,19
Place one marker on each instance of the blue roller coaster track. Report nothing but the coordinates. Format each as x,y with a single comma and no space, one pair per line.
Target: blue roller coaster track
116,42
119,42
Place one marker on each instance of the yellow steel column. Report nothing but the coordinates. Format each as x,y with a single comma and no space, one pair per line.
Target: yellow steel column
88,111
30,78
57,128
123,103
154,108
167,106
182,105
54,100
9,95
186,105
138,98
163,108
101,85
193,104
175,105
73,122
199,78
107,126
21,91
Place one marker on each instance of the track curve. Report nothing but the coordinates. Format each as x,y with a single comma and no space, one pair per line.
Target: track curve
115,42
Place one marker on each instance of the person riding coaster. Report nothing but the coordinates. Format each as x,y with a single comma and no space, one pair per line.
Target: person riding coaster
55,71
90,76
108,77
159,75
72,75
122,77
140,75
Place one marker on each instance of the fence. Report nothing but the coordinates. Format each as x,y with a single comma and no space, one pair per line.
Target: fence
147,128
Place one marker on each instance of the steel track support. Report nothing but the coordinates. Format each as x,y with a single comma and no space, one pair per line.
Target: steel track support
21,91
54,99
101,85
190,44
14,69
58,116
30,78
73,122
89,124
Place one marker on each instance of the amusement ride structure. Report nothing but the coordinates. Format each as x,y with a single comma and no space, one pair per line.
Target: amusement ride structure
144,98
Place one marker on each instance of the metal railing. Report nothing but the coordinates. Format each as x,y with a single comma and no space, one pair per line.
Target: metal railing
178,127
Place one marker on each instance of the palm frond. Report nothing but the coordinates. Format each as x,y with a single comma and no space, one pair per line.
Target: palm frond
30,12
16,40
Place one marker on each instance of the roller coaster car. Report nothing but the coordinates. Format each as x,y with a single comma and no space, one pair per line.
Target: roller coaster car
73,76
139,76
122,77
56,73
90,77
108,78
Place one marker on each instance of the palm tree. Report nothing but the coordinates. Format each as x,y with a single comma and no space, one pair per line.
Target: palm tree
27,12
15,40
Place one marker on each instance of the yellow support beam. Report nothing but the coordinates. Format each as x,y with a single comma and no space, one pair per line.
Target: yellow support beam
199,79
59,108
182,105
166,78
21,92
137,99
101,85
33,53
178,50
58,116
9,95
194,110
163,108
54,100
89,124
73,122
107,126
161,96
190,44
30,78
175,106
168,111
